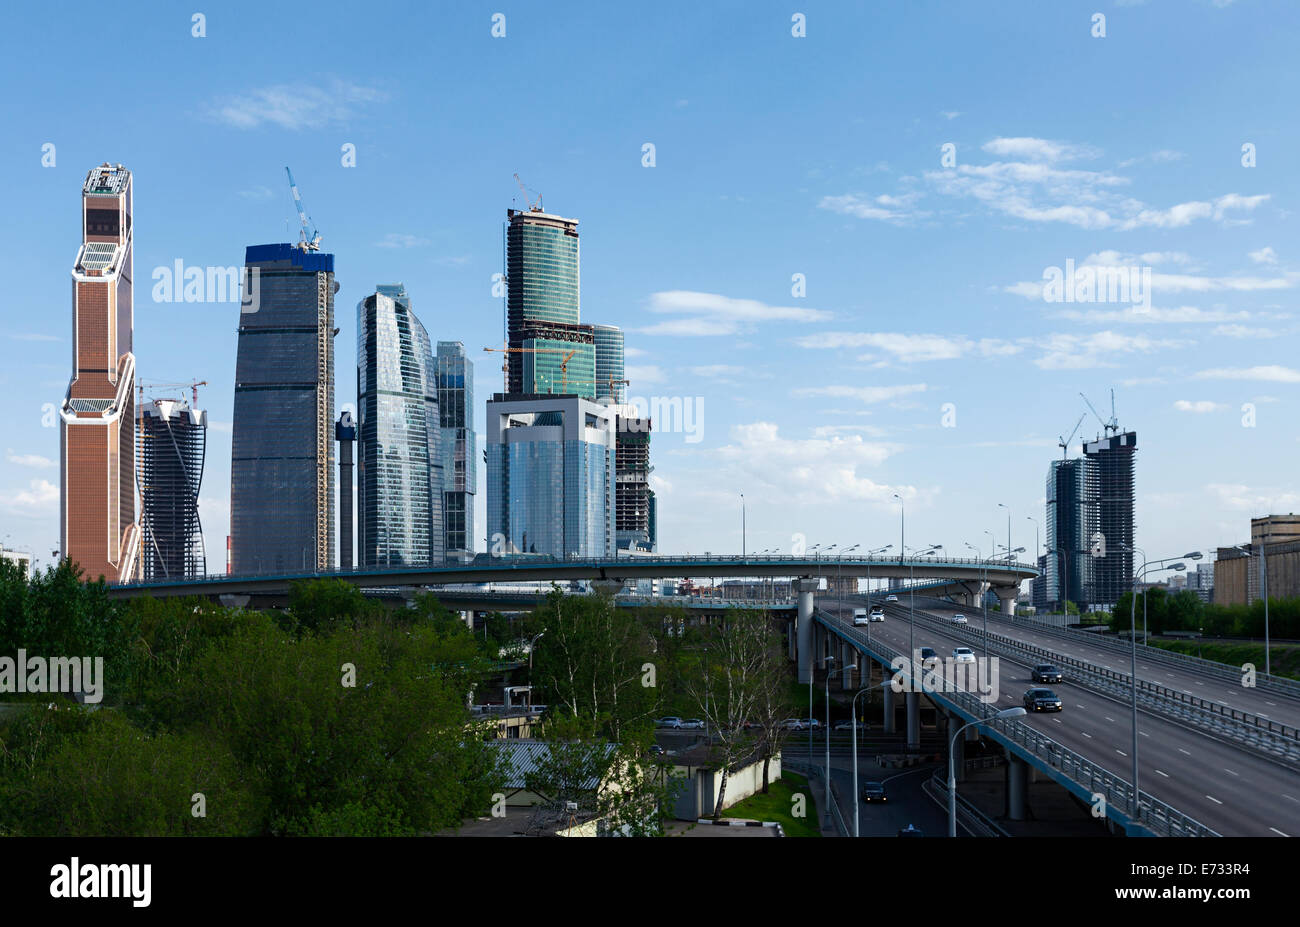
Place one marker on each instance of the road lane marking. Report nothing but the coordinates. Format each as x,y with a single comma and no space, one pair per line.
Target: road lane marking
1213,799
1120,752
1111,720
1181,750
1227,770
1278,832
1163,773
1086,734
1292,798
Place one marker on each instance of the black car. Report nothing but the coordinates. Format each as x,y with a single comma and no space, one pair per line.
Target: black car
873,791
1045,672
1042,700
927,653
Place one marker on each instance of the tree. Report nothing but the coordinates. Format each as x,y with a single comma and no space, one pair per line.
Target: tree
728,679
773,706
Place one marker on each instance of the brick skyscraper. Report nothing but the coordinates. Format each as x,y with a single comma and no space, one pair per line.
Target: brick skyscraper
97,519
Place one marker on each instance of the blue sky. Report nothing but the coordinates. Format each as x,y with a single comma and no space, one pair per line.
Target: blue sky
774,156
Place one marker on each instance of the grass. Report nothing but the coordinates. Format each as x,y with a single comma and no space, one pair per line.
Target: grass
777,805
1286,657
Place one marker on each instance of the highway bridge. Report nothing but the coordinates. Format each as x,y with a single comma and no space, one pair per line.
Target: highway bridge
962,577
1202,772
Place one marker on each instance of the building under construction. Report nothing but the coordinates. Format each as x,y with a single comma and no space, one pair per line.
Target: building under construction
173,439
634,527
1113,456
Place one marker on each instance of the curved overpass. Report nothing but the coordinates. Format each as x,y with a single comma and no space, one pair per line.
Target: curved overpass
1005,577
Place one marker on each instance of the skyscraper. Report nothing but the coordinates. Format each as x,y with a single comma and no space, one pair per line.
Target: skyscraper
609,363
459,446
550,476
1114,456
400,475
97,523
282,456
173,441
555,352
345,433
633,521
1072,519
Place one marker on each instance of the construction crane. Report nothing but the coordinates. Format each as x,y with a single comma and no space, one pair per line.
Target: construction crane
192,384
1107,427
1064,443
304,243
564,364
533,206
610,381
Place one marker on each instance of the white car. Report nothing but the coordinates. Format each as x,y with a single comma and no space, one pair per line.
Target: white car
891,598
859,617
877,614
697,725
674,723
959,619
963,655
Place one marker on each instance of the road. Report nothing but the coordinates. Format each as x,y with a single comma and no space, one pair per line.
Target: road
1234,792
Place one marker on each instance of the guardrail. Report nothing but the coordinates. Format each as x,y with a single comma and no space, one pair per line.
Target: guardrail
1153,814
968,815
1263,735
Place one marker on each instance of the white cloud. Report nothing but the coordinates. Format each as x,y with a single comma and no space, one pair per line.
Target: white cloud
1265,255
1199,406
865,394
295,106
719,315
1099,349
949,114
223,427
1244,498
646,374
690,328
883,207
1038,149
832,431
1243,331
1271,373
906,347
401,240
1138,316
28,460
715,371
1163,156
41,497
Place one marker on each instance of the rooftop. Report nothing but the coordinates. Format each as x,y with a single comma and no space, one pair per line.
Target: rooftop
106,180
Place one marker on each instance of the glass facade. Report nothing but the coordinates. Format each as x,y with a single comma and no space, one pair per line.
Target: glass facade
399,467
459,446
609,363
542,300
1071,522
551,476
542,371
282,455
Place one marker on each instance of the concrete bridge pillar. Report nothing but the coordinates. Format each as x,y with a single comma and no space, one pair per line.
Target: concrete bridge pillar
1017,788
890,724
848,664
804,629
1007,597
913,700
469,618
957,745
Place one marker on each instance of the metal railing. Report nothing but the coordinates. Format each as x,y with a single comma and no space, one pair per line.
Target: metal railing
1155,815
1261,734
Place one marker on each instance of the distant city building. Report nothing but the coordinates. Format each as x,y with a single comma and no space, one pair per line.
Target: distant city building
282,457
21,558
1114,457
1201,581
609,364
1072,520
400,475
173,446
554,352
1242,577
345,433
1038,586
551,476
97,518
459,446
633,520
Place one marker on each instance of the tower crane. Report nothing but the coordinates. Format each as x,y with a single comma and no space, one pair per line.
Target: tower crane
192,384
1107,427
1064,443
533,206
304,243
564,364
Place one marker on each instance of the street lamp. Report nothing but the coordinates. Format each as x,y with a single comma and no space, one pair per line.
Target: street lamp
1003,715
1003,505
878,550
1263,576
911,603
853,707
983,606
742,524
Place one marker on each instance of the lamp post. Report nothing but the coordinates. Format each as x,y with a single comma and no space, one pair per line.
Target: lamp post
742,524
983,610
1263,577
911,603
1003,715
1003,505
853,706
1194,555
878,550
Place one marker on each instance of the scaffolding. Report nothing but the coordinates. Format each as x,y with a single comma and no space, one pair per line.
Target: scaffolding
173,440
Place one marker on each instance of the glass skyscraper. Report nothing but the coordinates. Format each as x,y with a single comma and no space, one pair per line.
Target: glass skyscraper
609,363
399,467
459,446
550,476
1071,522
543,311
282,456
1114,456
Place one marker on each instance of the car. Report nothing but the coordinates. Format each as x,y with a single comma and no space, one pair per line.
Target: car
859,617
673,723
877,614
927,653
891,598
963,655
692,724
848,724
959,619
799,724
874,791
911,830
656,750
1045,672
1042,700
